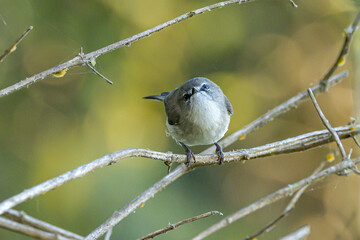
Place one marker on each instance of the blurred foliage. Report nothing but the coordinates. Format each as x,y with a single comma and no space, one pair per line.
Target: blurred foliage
260,53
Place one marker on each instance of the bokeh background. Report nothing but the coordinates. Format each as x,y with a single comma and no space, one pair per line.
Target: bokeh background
260,53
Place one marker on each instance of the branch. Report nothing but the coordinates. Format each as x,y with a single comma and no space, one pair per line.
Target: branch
23,218
29,231
288,209
289,190
291,103
348,34
175,225
295,144
327,125
12,48
299,234
126,42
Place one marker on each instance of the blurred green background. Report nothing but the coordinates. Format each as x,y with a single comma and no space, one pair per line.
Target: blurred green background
260,53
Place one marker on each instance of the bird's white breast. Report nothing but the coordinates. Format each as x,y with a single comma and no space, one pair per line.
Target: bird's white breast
205,123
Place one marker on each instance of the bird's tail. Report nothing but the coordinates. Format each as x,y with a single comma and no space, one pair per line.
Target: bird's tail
160,97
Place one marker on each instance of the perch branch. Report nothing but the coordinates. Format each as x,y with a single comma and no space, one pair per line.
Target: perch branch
299,234
125,42
23,218
289,190
295,144
12,48
348,34
175,225
288,209
327,124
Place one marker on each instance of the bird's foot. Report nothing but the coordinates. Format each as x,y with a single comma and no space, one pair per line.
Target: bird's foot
189,155
220,153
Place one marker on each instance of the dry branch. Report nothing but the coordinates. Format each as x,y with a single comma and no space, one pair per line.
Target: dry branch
287,210
326,123
178,224
348,34
295,144
126,42
23,218
289,190
29,231
12,48
299,234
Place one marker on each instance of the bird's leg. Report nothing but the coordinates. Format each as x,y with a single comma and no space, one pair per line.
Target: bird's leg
220,153
189,154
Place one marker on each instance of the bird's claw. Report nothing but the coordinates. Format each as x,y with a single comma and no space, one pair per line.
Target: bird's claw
220,153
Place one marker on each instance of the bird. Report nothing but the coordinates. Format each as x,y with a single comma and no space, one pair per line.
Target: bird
198,113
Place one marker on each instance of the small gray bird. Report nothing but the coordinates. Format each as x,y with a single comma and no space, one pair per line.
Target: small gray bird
198,113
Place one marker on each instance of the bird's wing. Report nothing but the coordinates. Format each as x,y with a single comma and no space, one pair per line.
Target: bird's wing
173,112
228,106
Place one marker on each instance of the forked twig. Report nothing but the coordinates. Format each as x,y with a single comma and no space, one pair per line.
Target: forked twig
288,209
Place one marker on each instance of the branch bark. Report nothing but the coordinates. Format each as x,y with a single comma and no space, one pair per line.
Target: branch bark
295,144
178,224
299,234
13,47
23,218
289,190
126,42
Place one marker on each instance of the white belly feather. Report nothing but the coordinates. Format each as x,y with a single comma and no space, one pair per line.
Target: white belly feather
205,123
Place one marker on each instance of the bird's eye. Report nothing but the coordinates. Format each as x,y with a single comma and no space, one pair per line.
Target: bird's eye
187,97
205,86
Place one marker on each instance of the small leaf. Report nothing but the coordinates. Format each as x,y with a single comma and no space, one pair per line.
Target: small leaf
60,73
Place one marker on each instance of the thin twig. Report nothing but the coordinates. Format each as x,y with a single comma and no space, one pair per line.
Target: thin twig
295,144
299,234
108,235
348,34
81,55
288,209
22,217
356,141
125,42
12,48
175,225
289,190
293,3
29,231
326,123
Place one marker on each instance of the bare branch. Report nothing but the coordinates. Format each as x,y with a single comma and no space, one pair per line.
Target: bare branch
275,112
175,225
29,231
289,190
348,34
126,42
295,144
293,3
12,48
22,217
81,55
299,234
327,125
288,209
